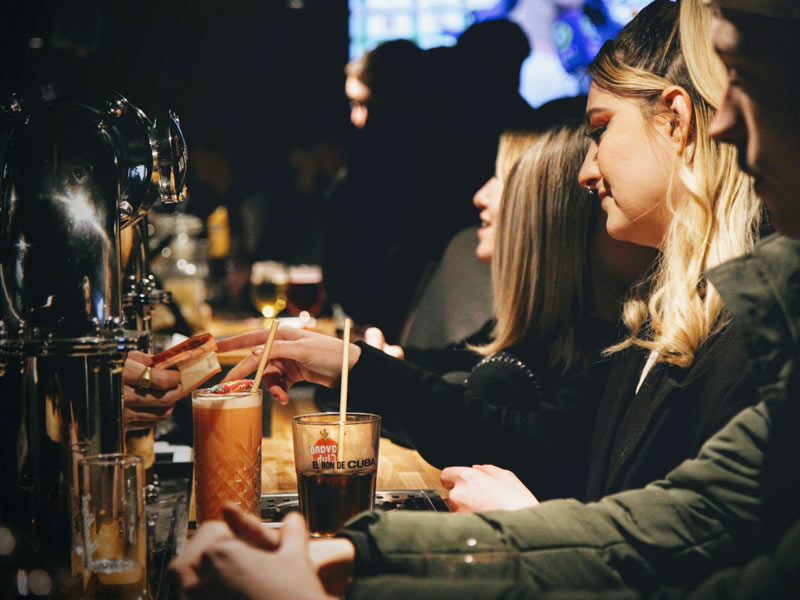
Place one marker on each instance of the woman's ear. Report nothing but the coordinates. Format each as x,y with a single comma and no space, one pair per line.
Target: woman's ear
679,104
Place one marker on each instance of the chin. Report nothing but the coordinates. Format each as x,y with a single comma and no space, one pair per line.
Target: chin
483,255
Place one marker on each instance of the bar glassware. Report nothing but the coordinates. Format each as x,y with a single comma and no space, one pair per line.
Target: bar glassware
335,484
227,451
113,527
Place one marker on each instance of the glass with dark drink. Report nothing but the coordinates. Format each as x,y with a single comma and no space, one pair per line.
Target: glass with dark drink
335,483
305,294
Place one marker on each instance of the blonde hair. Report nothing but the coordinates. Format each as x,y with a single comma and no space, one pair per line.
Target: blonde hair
540,271
677,309
511,146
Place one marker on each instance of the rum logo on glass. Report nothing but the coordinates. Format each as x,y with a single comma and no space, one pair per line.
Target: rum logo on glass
323,452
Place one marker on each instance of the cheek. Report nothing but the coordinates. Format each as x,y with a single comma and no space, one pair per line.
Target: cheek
493,202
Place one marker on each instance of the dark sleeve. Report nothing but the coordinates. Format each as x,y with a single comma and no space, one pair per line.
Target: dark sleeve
453,357
705,515
729,388
402,587
767,576
451,426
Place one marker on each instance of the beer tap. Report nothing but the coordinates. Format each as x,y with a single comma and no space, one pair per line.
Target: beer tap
78,172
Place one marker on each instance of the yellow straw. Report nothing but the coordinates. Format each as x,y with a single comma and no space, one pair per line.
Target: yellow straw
265,354
343,391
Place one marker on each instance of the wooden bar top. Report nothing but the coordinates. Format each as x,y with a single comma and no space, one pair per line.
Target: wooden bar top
399,468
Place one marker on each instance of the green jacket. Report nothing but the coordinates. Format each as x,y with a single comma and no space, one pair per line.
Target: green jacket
706,518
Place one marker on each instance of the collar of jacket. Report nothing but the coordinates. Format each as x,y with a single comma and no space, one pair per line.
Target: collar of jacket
762,291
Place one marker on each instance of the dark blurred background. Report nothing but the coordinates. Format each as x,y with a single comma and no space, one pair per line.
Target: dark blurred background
258,84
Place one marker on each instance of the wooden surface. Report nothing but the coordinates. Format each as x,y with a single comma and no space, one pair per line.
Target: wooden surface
398,468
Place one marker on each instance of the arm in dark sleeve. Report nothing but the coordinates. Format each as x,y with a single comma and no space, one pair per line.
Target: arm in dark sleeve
451,426
453,357
768,576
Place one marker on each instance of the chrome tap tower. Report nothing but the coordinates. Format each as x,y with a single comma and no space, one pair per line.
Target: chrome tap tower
75,172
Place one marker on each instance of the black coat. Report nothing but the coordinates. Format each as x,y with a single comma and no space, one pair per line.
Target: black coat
587,440
639,437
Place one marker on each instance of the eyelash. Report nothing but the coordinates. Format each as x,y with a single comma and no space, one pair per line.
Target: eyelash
596,133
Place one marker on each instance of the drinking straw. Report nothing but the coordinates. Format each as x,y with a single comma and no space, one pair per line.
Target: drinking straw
265,354
343,391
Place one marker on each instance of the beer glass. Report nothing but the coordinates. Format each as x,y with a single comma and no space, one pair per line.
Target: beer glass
227,451
268,280
113,526
335,483
306,293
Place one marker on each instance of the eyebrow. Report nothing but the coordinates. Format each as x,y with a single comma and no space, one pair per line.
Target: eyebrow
592,112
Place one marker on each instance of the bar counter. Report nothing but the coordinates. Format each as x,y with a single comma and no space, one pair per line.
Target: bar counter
399,468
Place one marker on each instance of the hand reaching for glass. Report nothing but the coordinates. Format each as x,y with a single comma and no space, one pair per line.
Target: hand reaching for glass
485,487
149,394
241,559
296,355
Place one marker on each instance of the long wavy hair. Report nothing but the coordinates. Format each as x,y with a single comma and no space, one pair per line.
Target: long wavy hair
677,309
541,276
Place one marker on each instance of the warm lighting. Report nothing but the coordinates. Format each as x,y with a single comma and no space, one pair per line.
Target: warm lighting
268,312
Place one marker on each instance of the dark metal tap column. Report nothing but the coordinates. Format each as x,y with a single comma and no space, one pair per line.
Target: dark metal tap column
74,172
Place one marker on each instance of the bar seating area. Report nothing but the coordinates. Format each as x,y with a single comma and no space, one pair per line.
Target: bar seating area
382,299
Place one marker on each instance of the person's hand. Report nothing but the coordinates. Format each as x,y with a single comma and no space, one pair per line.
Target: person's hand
146,406
485,487
296,355
374,337
183,568
234,568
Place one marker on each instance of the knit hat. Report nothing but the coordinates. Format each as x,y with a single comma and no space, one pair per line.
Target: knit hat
778,9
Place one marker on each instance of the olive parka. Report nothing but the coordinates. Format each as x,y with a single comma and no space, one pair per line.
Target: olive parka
724,524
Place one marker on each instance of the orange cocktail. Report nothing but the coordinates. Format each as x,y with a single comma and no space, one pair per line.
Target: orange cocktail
227,451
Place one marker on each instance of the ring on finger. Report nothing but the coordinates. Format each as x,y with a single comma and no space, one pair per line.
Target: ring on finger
144,381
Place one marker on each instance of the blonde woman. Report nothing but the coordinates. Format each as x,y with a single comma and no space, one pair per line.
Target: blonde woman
559,280
456,358
681,372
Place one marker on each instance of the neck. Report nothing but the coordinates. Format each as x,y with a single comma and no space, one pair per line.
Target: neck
606,299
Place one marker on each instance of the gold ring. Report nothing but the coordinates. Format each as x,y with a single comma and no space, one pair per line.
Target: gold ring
144,379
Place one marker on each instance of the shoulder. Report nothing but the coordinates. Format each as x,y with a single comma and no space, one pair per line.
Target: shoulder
504,371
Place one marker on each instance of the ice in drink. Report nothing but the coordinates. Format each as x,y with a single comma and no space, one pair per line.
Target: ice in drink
227,451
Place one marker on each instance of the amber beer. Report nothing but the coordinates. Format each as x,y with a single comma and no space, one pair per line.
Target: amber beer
306,292
113,527
268,281
335,484
117,581
227,451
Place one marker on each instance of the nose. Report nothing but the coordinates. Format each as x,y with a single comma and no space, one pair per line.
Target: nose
727,124
589,175
480,199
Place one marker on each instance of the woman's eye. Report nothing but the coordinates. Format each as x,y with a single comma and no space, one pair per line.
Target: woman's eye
595,133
